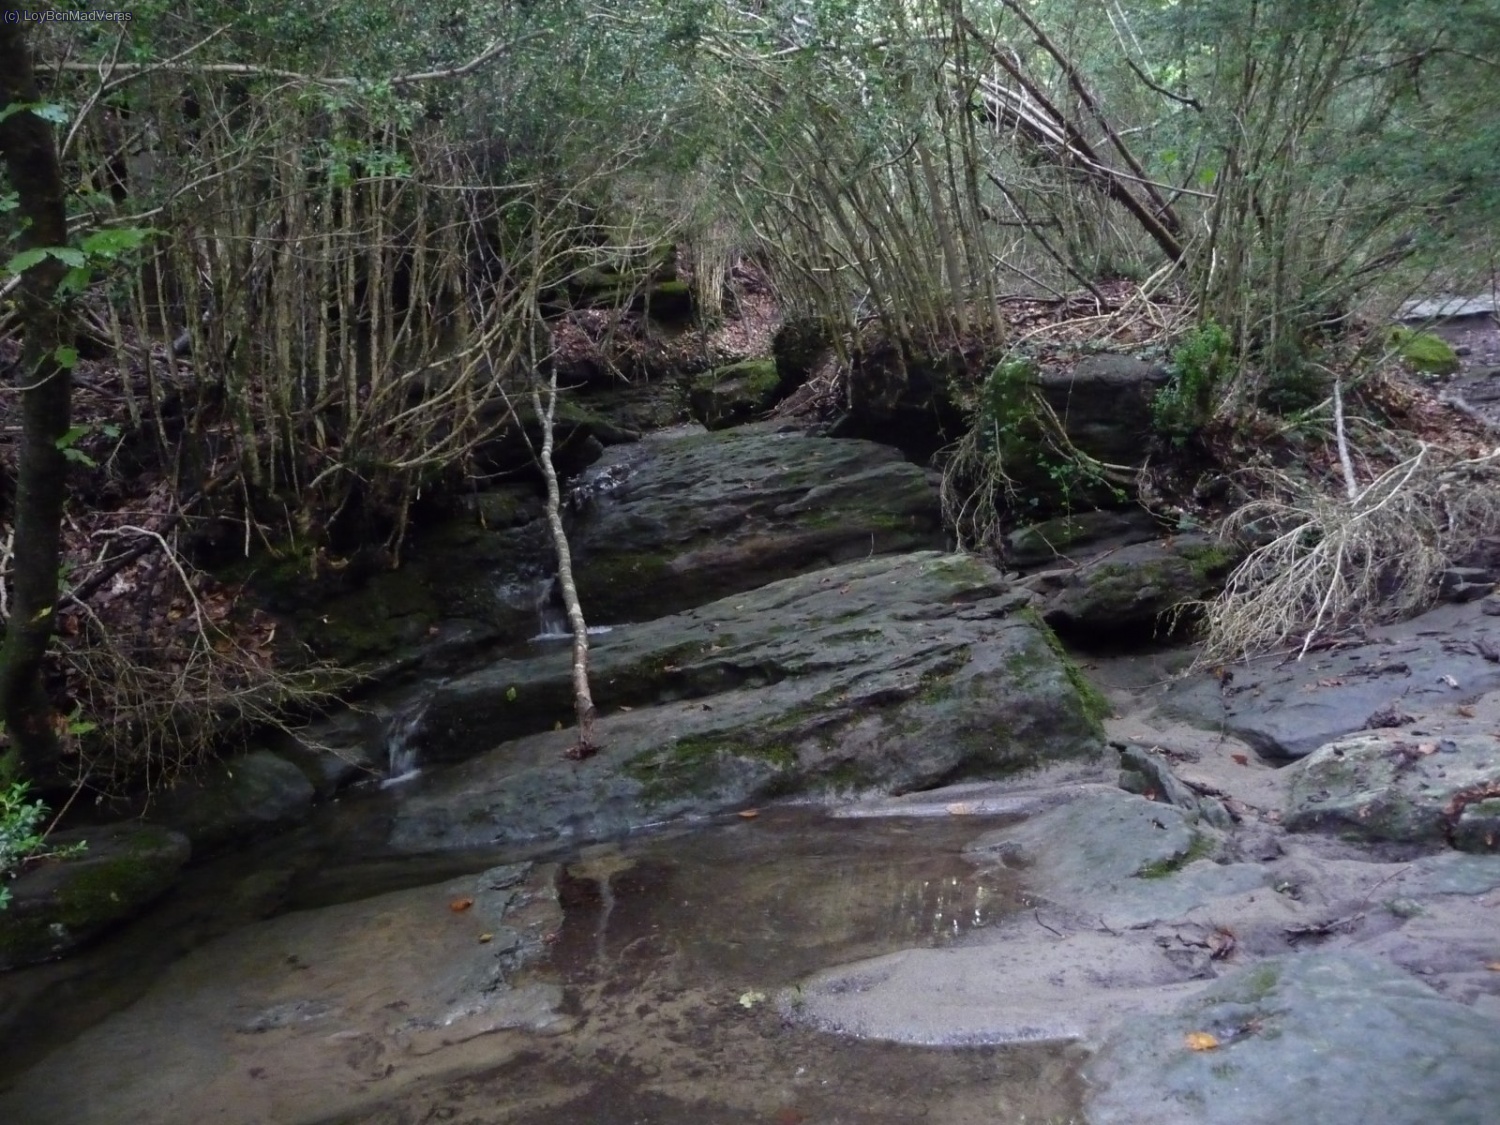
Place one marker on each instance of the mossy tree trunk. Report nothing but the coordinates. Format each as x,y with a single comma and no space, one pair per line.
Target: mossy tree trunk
44,382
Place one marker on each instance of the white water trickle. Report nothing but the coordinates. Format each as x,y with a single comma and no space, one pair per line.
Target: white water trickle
401,754
552,618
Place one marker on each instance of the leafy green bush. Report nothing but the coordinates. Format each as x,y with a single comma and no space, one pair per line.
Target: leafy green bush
1200,366
19,838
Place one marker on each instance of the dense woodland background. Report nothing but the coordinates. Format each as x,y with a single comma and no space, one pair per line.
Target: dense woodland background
276,278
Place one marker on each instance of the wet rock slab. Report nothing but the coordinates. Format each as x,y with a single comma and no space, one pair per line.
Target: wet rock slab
679,520
1135,588
1336,1038
234,800
1420,669
1121,858
888,674
1403,788
59,904
315,1013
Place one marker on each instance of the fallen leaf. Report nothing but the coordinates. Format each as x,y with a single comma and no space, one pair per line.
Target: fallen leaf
1240,759
485,939
1450,681
459,905
1466,712
1201,1041
790,1116
1221,944
750,999
1332,681
748,814
960,808
1493,966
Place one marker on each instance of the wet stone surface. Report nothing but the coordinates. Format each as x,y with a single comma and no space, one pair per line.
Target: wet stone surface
628,982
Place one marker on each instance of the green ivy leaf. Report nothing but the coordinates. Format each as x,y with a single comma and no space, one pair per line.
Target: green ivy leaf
70,439
20,263
76,280
111,243
67,357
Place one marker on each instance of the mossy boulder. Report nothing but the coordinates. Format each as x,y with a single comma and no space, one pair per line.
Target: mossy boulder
891,674
59,904
681,520
1136,591
1104,404
1426,352
1047,542
1404,788
1336,1037
642,406
910,395
736,393
235,799
651,288
799,346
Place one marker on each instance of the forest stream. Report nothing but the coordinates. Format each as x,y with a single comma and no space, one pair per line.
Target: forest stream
655,988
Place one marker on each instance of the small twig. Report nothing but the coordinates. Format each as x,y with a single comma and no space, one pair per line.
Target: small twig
1037,914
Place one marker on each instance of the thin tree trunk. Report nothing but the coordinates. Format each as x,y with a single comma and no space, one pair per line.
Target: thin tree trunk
45,387
583,699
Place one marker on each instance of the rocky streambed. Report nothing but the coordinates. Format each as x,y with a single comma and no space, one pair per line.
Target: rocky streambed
863,842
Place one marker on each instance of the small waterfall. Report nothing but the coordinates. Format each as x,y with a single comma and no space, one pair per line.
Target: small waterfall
401,753
551,618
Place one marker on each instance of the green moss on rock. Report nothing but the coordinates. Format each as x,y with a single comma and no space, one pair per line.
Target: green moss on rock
1425,351
1201,847
691,764
60,904
1096,705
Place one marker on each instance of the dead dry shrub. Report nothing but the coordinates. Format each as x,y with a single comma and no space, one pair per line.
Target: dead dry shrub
1327,559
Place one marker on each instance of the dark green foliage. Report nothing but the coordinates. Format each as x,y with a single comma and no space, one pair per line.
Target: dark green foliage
1201,365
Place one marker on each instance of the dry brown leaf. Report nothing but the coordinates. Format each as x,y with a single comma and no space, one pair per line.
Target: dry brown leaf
1466,712
1240,759
959,808
748,814
1201,1041
459,905
1493,966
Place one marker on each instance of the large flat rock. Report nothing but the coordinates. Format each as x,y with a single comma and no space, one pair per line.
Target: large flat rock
679,520
1286,708
888,674
59,904
1387,786
312,1015
1336,1038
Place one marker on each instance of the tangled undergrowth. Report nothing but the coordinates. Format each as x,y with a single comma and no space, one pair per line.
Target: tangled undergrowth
1360,527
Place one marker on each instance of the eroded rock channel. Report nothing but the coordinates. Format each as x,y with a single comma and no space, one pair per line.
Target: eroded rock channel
863,843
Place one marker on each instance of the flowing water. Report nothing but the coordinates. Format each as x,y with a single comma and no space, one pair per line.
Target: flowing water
656,1000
